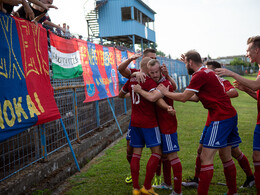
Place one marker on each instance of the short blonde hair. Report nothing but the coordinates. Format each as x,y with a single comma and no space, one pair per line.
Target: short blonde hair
143,63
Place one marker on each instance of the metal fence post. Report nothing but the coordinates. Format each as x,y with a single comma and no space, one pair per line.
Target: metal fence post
97,114
114,116
43,141
76,121
125,105
68,140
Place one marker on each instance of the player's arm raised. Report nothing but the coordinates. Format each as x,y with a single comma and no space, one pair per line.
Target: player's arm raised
123,67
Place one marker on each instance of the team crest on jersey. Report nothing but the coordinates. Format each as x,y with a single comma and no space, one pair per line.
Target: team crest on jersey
207,70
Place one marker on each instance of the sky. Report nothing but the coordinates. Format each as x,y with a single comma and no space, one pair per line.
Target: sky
216,28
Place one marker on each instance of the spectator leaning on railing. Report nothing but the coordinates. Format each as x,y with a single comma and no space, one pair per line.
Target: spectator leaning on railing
39,12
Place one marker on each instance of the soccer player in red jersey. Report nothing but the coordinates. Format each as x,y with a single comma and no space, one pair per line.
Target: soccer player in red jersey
253,89
235,151
222,131
168,125
144,131
127,72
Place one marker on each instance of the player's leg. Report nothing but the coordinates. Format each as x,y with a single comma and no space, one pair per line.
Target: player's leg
170,147
151,169
129,152
195,181
244,164
153,141
166,184
206,171
137,142
177,171
157,177
256,157
167,176
135,167
229,169
229,128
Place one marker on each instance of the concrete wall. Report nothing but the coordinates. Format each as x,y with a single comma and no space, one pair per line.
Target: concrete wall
60,165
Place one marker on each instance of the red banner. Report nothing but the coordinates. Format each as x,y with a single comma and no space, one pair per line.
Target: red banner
34,52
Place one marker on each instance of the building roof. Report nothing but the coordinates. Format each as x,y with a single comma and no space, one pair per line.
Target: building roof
145,5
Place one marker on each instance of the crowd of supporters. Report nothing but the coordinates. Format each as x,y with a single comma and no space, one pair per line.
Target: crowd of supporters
37,12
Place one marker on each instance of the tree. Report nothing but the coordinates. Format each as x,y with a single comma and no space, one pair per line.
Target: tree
239,61
160,53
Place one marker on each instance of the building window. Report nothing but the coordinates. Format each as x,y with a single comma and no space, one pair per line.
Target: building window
137,15
126,13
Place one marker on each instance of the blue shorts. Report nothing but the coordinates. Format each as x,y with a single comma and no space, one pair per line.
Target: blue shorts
170,143
220,134
128,135
256,142
140,137
203,136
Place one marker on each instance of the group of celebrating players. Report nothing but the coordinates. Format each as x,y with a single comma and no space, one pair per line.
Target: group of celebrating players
154,124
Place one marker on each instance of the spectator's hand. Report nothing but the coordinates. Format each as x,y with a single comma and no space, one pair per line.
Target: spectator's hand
140,77
137,88
171,111
164,70
135,56
12,2
29,12
163,89
2,7
48,6
223,71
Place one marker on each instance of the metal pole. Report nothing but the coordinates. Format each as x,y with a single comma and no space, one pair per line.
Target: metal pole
97,114
68,140
76,121
114,116
43,142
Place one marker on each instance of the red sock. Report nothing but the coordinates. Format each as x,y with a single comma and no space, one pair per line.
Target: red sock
167,171
151,167
158,170
244,164
230,175
135,166
177,173
206,174
257,176
197,166
129,158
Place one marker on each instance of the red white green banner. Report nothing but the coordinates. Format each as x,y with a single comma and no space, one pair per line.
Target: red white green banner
66,62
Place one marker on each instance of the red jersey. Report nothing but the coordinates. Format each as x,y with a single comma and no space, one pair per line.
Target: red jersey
143,111
132,70
167,122
258,103
228,86
211,93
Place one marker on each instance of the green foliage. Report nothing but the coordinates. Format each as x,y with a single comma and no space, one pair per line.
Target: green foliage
160,53
107,174
239,61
